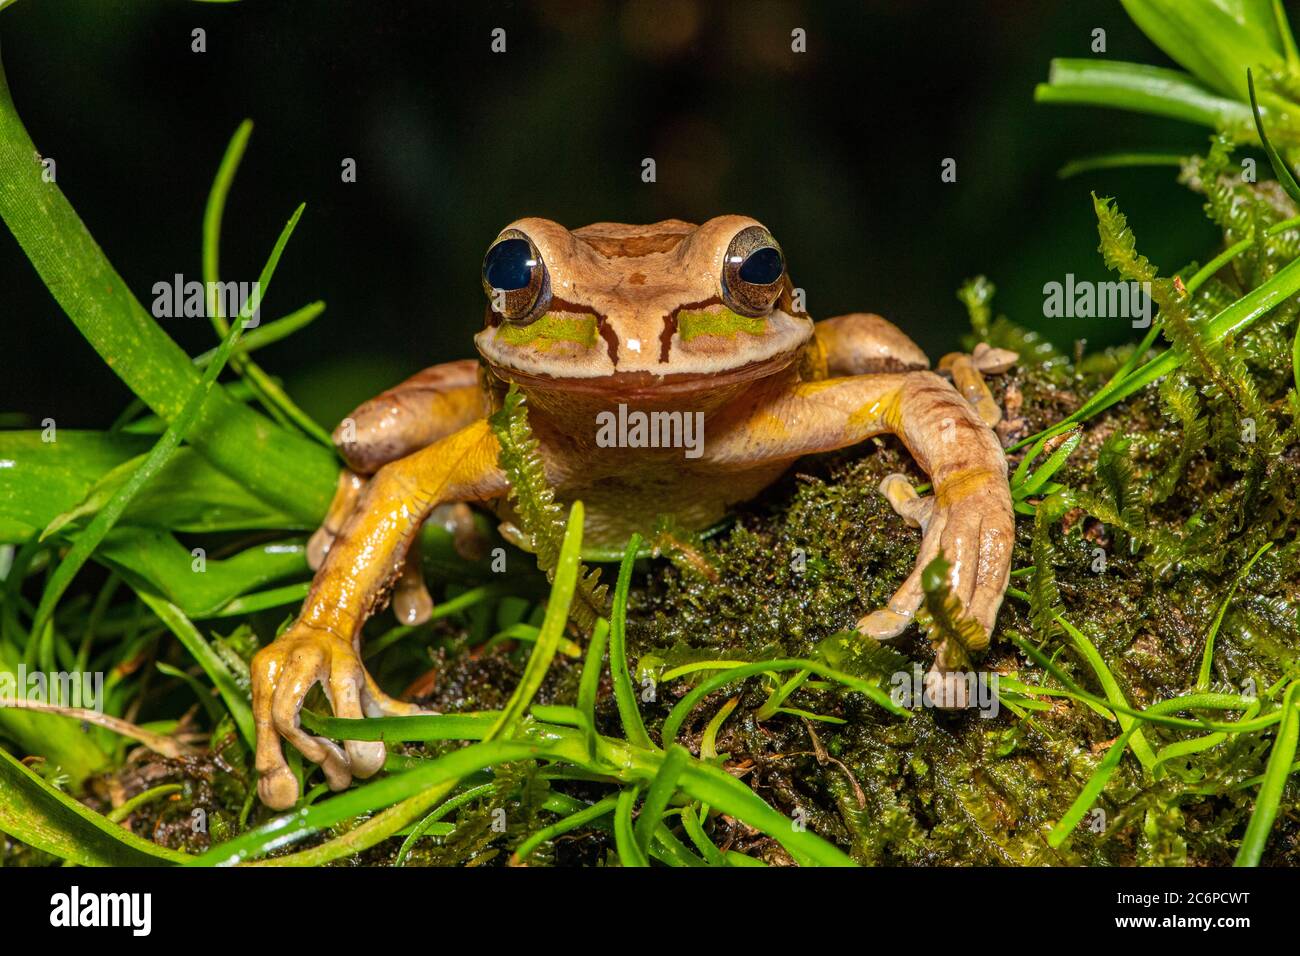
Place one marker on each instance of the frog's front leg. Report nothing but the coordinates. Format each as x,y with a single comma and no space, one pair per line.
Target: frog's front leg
970,516
433,403
862,343
323,644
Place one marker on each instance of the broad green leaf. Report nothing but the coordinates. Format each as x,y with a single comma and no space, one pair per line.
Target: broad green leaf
236,700
1143,89
1217,40
35,813
153,557
40,481
61,741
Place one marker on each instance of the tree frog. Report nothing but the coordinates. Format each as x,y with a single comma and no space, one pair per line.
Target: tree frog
662,328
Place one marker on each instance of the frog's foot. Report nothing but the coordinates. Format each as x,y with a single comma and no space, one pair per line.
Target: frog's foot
346,494
968,373
972,526
282,674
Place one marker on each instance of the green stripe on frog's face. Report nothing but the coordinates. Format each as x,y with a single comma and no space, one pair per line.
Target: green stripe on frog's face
718,320
551,328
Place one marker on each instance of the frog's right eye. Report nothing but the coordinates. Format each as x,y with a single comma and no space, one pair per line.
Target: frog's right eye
515,278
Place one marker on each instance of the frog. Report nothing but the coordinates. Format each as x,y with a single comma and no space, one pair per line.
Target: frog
702,322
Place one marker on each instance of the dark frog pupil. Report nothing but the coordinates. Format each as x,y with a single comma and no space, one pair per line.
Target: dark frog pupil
761,267
509,265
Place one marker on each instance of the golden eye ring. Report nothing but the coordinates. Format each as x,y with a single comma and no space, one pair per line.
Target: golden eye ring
753,271
515,279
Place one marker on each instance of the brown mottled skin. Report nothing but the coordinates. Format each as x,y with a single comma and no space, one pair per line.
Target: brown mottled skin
658,318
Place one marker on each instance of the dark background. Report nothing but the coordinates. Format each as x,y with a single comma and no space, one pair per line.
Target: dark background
837,150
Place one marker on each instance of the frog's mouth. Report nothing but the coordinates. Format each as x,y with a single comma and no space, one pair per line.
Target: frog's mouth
696,347
641,385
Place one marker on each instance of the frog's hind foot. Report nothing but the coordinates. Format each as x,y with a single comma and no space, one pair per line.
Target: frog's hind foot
968,373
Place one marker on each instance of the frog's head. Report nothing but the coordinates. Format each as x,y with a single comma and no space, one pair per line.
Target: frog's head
612,306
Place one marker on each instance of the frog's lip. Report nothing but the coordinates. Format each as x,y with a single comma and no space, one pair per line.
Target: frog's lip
648,385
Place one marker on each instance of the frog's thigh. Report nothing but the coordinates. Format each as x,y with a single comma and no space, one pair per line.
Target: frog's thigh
429,405
970,519
862,343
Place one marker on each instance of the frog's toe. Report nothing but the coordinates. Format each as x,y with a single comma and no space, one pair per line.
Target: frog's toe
884,624
947,690
458,519
365,757
412,603
968,378
895,617
318,545
993,361
379,704
993,573
910,506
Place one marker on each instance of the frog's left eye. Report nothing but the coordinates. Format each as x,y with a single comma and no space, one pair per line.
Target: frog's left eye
515,278
752,272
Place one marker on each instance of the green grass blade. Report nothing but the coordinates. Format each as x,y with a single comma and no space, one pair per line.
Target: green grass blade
661,791
569,823
1275,776
281,467
1088,164
1207,658
624,693
630,853
1280,168
1142,89
273,398
724,792
553,624
589,683
679,713
235,699
268,333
